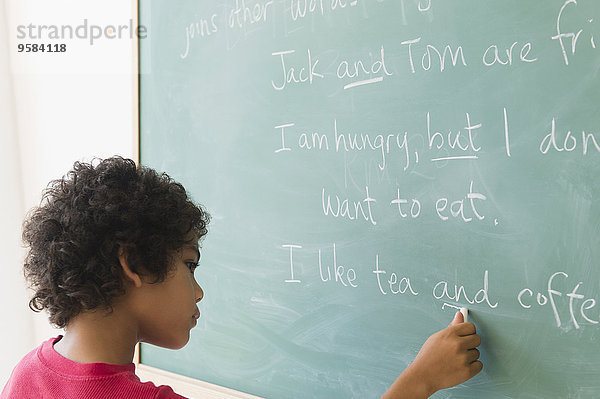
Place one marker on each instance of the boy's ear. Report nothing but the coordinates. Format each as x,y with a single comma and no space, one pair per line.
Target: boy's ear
130,274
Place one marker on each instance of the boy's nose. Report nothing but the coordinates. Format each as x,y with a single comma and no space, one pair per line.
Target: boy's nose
199,293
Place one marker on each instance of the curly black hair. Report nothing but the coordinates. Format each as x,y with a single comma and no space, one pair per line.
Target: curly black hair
74,235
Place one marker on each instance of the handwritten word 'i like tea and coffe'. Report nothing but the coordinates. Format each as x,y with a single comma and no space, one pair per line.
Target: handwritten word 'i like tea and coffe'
570,307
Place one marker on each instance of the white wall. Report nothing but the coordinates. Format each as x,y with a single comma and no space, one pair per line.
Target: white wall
12,290
54,109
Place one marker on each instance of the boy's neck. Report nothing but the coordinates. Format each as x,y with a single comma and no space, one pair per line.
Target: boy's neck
98,337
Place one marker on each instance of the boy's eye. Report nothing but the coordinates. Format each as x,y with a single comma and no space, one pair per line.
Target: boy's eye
192,266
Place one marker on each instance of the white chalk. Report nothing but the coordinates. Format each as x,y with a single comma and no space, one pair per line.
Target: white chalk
465,313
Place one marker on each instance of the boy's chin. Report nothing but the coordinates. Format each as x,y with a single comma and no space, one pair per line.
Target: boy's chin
173,343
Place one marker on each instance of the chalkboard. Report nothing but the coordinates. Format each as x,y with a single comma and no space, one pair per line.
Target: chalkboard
369,166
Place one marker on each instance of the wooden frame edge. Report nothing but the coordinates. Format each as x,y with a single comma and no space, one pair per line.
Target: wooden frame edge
186,386
135,80
189,387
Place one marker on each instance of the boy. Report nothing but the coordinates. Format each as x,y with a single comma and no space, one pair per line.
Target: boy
112,253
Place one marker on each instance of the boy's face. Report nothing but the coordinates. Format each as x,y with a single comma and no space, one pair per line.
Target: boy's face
169,308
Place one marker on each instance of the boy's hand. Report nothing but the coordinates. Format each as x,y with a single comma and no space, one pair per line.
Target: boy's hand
448,358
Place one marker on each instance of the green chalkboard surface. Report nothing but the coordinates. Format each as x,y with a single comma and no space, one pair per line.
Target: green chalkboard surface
369,166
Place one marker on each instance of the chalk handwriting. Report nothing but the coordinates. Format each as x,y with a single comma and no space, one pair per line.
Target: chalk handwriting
243,14
424,5
457,208
415,206
493,55
202,28
454,141
442,290
364,74
576,304
569,143
292,247
572,36
291,75
569,40
569,303
344,277
393,285
432,57
283,127
378,143
349,209
300,8
437,142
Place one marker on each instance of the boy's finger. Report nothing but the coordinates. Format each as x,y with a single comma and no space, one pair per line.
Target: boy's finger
472,355
475,367
470,341
464,329
458,319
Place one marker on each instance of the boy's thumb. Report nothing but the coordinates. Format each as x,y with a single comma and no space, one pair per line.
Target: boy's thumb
458,318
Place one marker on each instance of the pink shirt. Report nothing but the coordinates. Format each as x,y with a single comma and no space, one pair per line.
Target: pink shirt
44,373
